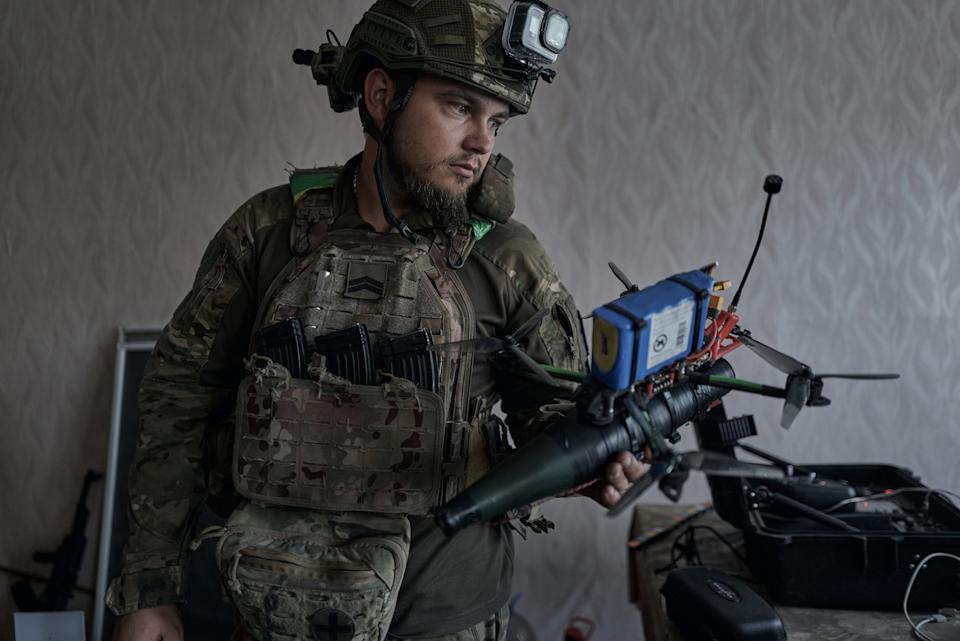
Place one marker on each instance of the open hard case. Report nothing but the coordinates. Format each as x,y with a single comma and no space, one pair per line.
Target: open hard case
803,559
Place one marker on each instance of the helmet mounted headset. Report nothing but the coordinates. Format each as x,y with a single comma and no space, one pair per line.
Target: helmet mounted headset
474,42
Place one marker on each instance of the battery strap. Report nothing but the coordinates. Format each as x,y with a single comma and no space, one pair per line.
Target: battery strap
701,294
638,324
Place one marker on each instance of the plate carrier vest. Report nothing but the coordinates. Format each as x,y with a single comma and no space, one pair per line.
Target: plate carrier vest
323,442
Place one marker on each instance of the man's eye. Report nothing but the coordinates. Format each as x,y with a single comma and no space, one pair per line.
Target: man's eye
460,108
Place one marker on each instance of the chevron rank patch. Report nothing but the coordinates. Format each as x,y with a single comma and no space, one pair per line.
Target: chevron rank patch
365,280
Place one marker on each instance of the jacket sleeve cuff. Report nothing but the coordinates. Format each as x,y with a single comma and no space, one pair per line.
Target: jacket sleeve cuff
145,589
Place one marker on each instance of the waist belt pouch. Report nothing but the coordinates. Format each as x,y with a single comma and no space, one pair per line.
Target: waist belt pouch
332,445
298,574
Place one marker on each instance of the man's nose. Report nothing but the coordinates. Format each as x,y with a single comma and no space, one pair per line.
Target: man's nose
480,138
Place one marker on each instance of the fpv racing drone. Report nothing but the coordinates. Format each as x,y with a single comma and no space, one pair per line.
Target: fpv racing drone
657,363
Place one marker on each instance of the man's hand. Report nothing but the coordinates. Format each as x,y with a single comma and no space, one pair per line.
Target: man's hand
618,476
161,623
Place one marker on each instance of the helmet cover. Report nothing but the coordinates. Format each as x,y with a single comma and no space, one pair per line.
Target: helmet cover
455,39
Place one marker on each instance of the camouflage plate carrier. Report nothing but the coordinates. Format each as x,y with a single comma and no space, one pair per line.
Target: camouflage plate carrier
326,443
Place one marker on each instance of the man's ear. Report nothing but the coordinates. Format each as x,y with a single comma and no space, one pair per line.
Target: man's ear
378,90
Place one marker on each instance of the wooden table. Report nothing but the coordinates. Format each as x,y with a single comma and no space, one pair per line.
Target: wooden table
802,624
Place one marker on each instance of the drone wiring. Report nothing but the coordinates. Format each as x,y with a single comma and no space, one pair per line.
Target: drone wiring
685,547
936,618
891,493
711,336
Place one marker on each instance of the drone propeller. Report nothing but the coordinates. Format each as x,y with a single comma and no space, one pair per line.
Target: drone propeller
786,364
509,344
803,386
798,394
715,464
861,377
710,463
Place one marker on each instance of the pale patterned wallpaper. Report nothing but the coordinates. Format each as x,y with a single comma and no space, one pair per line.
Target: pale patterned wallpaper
130,130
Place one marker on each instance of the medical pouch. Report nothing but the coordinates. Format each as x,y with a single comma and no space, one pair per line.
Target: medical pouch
298,574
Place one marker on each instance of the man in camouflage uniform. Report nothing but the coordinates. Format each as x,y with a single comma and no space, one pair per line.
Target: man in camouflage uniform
433,86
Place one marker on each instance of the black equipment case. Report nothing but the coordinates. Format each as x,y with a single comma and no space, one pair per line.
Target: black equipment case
802,562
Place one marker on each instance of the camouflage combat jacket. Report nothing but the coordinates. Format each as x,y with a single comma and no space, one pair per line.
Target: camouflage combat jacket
188,393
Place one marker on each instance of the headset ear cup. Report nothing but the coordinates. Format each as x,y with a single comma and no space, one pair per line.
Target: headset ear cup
494,198
341,101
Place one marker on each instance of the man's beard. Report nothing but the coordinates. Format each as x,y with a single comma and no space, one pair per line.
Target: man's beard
447,209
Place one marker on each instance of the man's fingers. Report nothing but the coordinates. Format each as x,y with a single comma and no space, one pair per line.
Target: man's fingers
160,623
615,477
630,467
618,476
609,496
624,470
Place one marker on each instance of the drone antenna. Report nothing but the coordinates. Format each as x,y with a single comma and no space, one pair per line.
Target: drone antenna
623,278
772,185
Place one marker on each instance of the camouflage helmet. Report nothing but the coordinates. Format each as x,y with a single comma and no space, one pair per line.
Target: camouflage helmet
455,39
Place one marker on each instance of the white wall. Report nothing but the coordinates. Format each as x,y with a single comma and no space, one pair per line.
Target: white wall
129,131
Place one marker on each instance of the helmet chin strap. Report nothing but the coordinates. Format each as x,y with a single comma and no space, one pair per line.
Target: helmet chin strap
396,105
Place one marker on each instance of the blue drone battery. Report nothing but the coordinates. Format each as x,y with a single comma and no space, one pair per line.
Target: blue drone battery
642,332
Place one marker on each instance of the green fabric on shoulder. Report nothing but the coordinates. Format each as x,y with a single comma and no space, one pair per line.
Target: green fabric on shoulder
480,226
304,180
